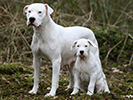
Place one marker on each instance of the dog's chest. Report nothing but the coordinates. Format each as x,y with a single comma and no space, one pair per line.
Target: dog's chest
84,67
41,49
84,71
84,76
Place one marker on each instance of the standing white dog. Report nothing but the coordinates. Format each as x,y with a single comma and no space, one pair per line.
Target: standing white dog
53,42
88,74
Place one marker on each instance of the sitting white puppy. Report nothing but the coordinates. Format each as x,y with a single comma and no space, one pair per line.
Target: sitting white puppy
88,74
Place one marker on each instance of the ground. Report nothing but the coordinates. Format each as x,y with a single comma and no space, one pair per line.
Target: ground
17,80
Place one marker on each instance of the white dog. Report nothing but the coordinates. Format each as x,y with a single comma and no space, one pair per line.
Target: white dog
88,74
53,42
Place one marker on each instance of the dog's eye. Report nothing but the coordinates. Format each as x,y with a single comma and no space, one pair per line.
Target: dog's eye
40,12
29,11
86,45
77,45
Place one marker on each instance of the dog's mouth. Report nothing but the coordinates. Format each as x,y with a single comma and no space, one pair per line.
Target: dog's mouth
31,24
82,57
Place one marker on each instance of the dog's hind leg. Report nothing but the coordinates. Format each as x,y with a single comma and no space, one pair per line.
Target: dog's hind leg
100,86
106,89
71,75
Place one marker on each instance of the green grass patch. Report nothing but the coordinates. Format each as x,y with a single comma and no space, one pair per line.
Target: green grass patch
17,81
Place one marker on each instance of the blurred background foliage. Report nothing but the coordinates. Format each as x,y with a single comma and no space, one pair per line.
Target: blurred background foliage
111,21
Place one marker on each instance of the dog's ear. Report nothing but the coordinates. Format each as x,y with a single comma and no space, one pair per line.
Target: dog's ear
91,43
25,9
73,45
49,10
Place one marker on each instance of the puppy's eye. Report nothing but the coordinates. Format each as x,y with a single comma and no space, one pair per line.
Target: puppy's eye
29,11
77,45
86,45
40,12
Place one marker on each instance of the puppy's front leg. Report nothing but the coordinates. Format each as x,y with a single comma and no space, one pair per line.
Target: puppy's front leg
91,84
55,76
76,83
36,64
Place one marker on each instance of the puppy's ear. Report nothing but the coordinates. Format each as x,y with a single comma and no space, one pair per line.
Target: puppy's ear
91,43
73,45
25,9
49,10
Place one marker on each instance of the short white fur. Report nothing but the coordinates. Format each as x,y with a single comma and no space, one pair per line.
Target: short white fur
52,42
88,74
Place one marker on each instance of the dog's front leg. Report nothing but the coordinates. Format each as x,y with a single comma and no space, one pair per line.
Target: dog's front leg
36,64
56,63
76,82
91,84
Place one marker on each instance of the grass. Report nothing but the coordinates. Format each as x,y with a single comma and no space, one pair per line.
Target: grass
17,80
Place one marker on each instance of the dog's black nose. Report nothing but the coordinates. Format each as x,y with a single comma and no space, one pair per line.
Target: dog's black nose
81,52
31,19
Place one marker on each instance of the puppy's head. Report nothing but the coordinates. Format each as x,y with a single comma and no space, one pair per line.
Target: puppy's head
82,47
36,13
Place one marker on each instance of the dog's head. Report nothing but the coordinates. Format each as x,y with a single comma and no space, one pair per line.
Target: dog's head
36,13
82,46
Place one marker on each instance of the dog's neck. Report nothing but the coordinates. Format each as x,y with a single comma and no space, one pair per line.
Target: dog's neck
43,32
45,25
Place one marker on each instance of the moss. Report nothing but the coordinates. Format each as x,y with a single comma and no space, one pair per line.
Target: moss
14,68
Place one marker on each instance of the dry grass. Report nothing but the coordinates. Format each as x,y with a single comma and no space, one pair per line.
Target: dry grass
16,36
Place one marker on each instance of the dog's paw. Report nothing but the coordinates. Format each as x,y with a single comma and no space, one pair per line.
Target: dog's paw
107,91
68,87
33,91
89,93
49,95
76,90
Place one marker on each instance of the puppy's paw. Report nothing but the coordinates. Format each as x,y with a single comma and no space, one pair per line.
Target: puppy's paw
76,90
89,93
68,87
33,91
49,95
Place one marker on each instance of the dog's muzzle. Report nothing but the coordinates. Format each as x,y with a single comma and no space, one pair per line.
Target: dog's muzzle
32,22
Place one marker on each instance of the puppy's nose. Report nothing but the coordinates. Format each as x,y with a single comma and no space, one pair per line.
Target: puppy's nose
82,52
31,19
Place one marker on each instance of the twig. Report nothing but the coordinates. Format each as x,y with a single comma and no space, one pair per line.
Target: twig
122,47
122,12
81,7
106,58
130,36
130,61
8,53
22,54
90,14
26,42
